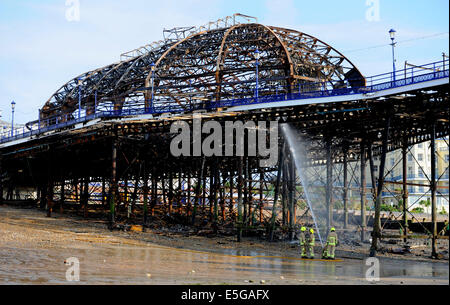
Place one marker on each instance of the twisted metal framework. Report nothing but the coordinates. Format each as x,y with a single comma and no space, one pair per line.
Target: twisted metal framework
213,64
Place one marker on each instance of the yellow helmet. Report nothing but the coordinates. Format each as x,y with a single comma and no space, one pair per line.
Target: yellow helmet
332,229
311,230
303,229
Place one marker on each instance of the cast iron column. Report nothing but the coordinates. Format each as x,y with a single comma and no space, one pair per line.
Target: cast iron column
363,191
433,190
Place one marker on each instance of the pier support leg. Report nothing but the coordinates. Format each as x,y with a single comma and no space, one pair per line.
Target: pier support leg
240,187
345,190
198,190
145,191
85,197
246,201
292,203
405,187
329,187
372,173
215,191
231,207
277,192
113,186
103,191
363,192
1,182
49,199
261,197
433,190
376,224
62,196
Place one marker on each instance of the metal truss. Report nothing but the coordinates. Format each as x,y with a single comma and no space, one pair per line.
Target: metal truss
193,66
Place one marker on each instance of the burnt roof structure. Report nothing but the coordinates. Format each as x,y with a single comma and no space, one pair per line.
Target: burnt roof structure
188,68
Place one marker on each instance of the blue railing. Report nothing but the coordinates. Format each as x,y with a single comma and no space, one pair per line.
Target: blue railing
411,75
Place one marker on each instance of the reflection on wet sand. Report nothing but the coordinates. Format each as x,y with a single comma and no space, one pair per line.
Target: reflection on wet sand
102,264
35,254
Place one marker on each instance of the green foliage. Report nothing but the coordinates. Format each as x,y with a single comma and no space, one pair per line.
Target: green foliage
425,203
389,208
443,211
302,204
417,210
339,205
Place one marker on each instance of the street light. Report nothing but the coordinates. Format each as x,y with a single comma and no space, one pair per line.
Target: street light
392,35
257,56
13,106
153,68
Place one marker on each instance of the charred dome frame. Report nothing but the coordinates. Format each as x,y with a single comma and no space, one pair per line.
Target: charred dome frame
211,65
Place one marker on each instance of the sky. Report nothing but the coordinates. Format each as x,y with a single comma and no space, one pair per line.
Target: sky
41,48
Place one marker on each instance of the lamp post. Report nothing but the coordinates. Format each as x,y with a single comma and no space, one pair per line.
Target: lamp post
392,35
13,106
257,56
153,68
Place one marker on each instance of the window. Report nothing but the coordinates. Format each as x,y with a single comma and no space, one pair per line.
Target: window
421,189
410,158
375,168
420,145
420,157
420,174
446,158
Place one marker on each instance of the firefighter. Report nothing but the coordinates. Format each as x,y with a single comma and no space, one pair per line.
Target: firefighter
332,242
310,242
302,239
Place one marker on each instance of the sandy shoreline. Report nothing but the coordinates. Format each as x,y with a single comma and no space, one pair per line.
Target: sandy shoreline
157,257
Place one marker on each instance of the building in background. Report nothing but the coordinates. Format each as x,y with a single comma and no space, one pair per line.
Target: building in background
5,128
418,173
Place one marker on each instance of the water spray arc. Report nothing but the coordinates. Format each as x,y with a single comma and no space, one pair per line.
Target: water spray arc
295,148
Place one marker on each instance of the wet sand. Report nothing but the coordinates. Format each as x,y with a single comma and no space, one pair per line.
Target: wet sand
33,249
